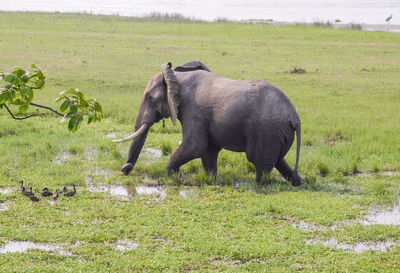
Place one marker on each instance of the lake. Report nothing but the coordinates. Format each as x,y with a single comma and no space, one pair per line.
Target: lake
358,11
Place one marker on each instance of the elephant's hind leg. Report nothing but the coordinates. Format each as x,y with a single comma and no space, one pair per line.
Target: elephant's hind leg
288,173
209,160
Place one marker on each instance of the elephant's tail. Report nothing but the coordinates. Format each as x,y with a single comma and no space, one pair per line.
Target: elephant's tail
298,137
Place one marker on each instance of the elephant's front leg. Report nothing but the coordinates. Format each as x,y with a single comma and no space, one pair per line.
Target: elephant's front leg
190,148
209,160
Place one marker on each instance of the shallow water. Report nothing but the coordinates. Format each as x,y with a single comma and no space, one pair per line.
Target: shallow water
127,192
3,207
23,246
124,245
356,247
62,158
384,217
6,190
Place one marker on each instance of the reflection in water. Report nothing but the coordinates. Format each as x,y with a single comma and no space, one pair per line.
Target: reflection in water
128,191
23,246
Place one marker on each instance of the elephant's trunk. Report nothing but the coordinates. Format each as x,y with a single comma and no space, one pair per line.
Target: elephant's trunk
139,138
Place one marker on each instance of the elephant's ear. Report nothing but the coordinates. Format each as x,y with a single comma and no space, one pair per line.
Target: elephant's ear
192,66
174,99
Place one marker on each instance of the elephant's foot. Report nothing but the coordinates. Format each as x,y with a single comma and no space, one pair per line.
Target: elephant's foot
127,168
295,179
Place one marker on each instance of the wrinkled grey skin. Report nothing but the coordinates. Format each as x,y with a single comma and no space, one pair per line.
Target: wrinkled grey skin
250,116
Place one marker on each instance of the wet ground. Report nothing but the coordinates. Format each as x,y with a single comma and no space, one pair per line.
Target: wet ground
24,246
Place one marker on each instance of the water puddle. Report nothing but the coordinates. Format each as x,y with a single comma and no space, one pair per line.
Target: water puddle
111,135
187,193
62,158
358,247
90,154
3,206
24,246
384,217
127,192
6,190
371,174
150,155
124,245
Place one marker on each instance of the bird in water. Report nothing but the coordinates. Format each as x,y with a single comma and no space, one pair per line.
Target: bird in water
389,18
33,197
70,193
55,195
45,192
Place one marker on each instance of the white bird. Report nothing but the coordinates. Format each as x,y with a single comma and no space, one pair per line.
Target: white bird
389,18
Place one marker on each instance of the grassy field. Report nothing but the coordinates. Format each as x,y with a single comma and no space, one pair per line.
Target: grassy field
348,101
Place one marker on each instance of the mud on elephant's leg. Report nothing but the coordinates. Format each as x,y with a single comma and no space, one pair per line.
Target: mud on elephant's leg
209,160
288,173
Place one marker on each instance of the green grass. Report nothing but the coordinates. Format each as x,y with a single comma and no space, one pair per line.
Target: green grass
348,101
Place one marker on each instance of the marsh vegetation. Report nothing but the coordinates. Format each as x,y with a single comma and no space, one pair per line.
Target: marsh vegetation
348,102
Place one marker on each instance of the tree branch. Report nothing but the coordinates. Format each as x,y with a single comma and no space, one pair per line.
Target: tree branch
14,117
46,107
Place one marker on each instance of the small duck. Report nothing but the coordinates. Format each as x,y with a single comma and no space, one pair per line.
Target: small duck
23,190
33,197
64,190
70,193
55,195
45,192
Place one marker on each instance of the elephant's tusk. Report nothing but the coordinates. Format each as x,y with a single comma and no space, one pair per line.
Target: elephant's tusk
134,135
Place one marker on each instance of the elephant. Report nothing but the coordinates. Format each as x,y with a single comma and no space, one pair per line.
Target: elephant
250,116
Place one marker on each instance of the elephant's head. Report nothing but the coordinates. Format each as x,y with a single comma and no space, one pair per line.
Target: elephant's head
160,100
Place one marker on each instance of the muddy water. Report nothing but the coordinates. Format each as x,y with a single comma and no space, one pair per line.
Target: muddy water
356,247
23,246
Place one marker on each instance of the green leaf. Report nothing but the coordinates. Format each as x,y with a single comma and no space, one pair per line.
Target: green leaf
90,117
27,93
23,108
4,97
19,72
97,107
65,105
10,78
74,123
73,108
69,91
39,84
60,98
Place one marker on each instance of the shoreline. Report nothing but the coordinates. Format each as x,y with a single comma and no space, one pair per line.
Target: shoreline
177,17
359,26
